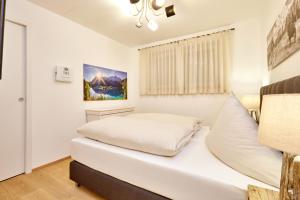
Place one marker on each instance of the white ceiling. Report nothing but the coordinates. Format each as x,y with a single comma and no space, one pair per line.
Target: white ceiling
108,17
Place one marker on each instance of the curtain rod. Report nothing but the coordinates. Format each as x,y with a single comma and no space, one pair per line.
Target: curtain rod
232,29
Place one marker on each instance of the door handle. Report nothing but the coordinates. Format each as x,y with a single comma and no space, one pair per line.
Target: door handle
21,99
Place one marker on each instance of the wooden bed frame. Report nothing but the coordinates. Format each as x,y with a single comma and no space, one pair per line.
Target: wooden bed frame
114,189
288,86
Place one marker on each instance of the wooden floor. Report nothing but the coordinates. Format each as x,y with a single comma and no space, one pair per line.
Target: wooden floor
48,183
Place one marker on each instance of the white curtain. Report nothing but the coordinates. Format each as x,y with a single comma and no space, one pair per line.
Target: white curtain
194,66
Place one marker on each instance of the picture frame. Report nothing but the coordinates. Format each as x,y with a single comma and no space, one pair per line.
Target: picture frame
101,83
2,24
284,37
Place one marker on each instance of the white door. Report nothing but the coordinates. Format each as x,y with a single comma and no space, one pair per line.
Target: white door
12,102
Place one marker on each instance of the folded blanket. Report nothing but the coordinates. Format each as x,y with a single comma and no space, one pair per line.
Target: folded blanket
188,122
146,135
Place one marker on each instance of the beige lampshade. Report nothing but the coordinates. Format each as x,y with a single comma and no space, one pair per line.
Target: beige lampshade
279,125
251,101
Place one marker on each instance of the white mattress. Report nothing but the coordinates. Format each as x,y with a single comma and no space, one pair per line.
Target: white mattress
193,174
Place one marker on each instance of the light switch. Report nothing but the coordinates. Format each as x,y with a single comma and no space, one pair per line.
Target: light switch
63,74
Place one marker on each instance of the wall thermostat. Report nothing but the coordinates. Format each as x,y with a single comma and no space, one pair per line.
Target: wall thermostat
63,74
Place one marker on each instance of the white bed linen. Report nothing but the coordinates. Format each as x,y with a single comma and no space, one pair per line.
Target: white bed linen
191,175
146,135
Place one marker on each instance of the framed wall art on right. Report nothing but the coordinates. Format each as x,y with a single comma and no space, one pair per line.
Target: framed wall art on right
284,37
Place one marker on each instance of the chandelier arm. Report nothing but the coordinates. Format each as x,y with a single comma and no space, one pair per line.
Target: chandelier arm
140,18
147,8
141,13
138,11
149,4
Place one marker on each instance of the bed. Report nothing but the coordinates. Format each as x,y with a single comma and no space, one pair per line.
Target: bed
194,172
121,174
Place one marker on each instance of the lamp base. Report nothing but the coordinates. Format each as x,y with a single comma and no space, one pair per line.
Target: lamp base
296,178
290,177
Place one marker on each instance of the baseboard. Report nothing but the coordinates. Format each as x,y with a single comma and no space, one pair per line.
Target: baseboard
51,163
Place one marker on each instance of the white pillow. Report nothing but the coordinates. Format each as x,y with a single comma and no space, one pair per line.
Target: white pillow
234,140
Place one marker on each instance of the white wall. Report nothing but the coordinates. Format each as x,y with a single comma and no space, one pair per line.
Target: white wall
246,77
290,67
247,58
57,109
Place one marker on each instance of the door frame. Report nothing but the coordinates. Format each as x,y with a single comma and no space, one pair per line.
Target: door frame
28,94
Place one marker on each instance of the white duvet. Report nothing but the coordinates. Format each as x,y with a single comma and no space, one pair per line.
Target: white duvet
159,134
188,122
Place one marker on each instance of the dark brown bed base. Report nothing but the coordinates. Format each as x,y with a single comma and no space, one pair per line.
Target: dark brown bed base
107,186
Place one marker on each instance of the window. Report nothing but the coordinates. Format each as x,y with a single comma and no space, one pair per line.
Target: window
194,66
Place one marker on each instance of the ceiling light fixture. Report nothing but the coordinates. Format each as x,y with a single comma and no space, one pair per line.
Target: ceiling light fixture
152,25
146,10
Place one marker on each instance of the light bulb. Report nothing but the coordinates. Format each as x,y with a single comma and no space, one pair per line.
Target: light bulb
160,3
127,8
152,25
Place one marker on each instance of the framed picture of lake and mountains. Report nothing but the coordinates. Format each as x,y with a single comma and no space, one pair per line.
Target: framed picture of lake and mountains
101,83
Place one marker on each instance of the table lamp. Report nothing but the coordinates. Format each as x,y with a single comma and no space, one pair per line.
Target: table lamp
280,129
251,102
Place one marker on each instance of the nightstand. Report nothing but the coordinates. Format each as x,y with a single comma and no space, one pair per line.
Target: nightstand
257,193
101,113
